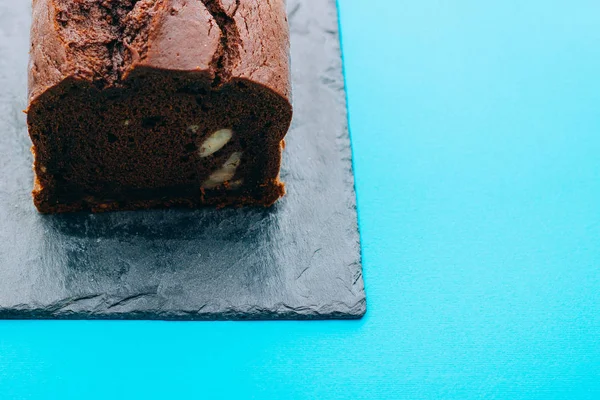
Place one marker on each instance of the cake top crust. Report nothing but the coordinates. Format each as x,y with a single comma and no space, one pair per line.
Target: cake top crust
107,41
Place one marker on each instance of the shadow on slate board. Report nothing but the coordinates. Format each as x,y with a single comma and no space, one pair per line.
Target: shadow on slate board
298,260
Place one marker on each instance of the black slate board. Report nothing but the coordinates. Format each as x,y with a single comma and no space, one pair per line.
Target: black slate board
299,260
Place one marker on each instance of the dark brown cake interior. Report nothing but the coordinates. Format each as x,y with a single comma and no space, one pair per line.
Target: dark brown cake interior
137,145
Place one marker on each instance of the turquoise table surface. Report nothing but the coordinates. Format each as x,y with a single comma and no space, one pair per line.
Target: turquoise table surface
476,134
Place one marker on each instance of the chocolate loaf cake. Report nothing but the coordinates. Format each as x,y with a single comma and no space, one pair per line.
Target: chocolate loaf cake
157,103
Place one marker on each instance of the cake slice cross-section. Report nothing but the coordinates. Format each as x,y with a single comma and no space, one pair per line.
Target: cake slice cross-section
157,103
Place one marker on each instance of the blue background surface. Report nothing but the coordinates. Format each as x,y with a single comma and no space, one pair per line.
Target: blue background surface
476,133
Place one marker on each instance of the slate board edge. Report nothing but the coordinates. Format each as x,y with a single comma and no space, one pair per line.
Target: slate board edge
354,312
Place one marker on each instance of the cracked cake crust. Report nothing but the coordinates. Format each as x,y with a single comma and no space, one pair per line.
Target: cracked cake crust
124,93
